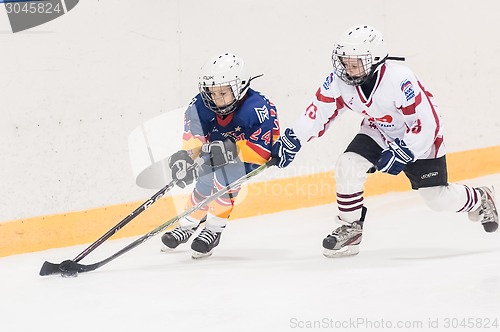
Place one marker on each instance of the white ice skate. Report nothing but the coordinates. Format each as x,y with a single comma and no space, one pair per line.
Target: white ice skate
344,241
487,212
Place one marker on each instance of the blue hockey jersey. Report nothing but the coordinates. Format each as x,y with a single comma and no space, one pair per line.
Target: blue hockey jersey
253,125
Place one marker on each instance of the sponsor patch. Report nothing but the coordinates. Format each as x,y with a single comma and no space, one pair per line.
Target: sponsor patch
429,175
407,89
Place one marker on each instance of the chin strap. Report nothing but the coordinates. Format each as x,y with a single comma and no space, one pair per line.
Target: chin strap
233,107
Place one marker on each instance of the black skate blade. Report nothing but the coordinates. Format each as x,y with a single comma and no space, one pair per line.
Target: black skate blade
49,268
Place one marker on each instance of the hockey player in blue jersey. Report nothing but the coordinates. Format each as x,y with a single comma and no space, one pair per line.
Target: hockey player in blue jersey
232,128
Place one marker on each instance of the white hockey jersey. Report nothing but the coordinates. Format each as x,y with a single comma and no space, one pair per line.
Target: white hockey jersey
398,107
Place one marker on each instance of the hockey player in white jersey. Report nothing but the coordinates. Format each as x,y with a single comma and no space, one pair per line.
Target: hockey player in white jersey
401,131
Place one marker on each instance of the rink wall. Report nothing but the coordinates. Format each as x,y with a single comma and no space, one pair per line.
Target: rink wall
72,92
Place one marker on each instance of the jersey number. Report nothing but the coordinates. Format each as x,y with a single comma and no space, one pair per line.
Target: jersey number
417,127
266,137
311,111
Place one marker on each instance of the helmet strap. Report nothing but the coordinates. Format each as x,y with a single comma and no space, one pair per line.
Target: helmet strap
247,85
396,58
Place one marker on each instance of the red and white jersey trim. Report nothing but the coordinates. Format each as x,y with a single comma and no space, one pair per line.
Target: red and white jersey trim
398,107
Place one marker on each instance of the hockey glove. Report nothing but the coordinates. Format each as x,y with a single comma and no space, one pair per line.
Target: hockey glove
219,153
394,159
179,163
285,148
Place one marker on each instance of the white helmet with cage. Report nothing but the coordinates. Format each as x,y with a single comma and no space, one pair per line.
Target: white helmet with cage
224,70
360,42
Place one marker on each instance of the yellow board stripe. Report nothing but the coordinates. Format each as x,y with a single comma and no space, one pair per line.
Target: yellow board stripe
61,230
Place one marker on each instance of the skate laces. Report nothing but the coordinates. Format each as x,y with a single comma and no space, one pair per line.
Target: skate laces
341,232
488,209
181,234
207,236
347,230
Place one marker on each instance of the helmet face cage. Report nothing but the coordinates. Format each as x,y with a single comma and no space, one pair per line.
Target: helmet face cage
361,44
223,83
228,106
341,71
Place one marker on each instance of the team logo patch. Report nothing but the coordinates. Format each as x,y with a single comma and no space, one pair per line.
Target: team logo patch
262,113
407,89
328,81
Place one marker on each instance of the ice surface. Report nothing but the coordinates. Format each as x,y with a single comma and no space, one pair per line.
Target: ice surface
416,267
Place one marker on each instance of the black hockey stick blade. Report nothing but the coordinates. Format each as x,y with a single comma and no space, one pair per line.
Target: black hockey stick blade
68,267
49,268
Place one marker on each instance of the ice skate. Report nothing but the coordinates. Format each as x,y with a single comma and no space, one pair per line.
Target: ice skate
345,240
487,212
174,238
204,243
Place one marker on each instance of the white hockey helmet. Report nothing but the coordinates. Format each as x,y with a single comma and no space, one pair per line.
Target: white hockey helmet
225,69
361,42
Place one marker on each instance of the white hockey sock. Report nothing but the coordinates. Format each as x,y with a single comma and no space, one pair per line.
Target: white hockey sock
453,197
350,206
216,224
189,222
350,176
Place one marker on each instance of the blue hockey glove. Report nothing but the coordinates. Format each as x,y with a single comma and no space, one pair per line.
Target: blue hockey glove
179,163
219,153
285,148
394,159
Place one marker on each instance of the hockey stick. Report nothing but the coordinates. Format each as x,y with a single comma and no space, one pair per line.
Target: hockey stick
72,267
51,268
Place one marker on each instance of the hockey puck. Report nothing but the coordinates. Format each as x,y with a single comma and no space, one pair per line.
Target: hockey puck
69,269
69,274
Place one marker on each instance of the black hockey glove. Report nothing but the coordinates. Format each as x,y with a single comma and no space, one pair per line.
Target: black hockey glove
394,159
219,153
184,169
285,148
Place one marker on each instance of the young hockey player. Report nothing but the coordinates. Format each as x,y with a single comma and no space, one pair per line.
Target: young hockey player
232,128
401,131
